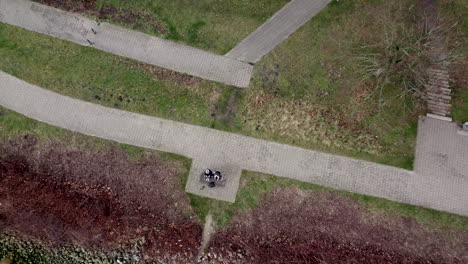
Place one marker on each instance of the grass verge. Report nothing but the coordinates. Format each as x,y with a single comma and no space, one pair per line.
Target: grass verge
456,14
213,25
255,186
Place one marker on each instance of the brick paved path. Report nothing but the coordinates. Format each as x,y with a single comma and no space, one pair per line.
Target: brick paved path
277,29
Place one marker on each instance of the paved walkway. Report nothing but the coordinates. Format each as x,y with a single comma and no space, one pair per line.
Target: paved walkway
442,160
124,42
238,152
277,29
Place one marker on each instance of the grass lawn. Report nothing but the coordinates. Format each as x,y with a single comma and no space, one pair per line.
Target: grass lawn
214,25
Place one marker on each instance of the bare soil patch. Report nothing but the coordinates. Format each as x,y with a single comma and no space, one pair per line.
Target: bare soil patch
226,111
95,200
160,74
293,226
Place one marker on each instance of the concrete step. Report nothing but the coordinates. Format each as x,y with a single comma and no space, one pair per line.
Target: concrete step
439,76
445,114
437,71
439,96
447,90
438,82
439,107
439,110
441,91
441,102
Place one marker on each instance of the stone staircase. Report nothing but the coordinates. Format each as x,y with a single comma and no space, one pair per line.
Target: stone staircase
438,92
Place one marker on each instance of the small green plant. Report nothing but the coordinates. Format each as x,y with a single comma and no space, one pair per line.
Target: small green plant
100,4
192,32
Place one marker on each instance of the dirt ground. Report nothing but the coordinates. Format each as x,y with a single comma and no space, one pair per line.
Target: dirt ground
95,200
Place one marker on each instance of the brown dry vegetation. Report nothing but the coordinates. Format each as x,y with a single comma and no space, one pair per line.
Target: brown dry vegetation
313,123
101,200
294,226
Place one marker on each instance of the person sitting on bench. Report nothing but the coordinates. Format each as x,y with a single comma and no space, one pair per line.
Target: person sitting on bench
208,175
218,176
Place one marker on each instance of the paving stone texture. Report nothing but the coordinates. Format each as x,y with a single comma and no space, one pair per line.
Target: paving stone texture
277,29
123,42
428,187
442,162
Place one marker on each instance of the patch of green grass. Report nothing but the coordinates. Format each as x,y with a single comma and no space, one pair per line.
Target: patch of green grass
255,187
460,107
192,32
456,14
429,217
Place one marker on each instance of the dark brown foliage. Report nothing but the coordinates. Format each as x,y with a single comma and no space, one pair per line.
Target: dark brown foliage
93,199
71,5
292,226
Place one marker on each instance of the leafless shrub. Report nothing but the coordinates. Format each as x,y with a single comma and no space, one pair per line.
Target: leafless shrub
400,52
397,55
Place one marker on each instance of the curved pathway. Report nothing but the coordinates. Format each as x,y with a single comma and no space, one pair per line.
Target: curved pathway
123,42
278,28
236,152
